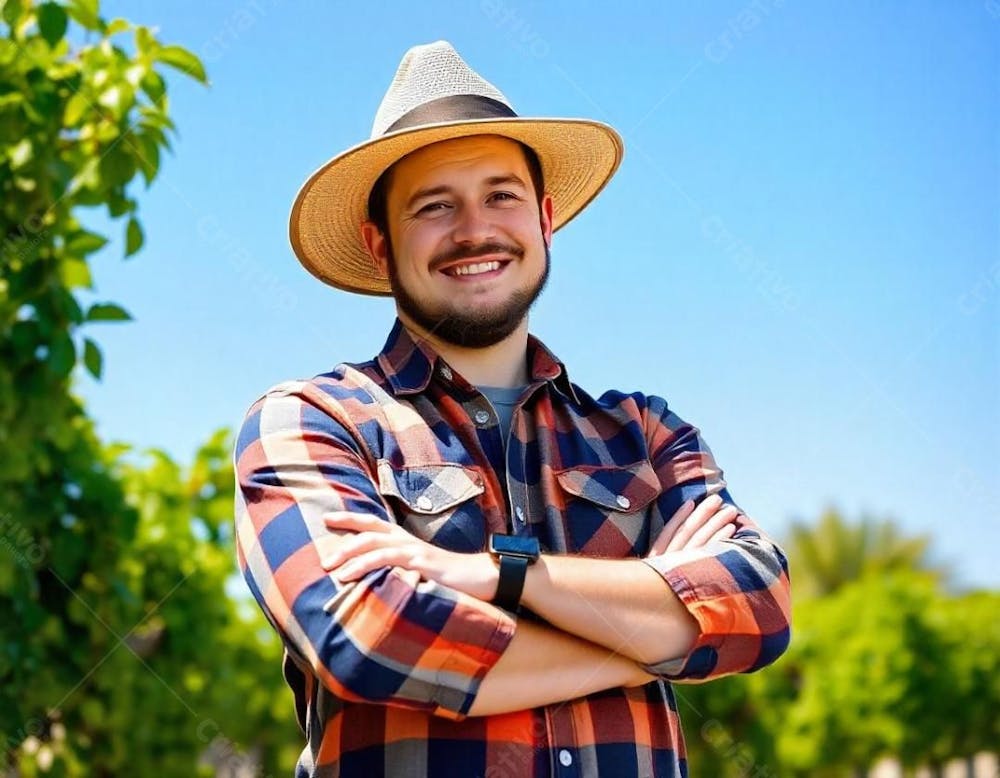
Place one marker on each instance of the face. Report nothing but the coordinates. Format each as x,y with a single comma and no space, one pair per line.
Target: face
467,253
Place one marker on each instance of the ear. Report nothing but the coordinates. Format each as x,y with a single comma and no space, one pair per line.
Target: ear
545,217
377,246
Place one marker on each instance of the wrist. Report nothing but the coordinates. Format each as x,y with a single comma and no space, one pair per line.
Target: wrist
513,556
490,576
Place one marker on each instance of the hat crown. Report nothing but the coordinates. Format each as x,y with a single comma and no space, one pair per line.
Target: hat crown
426,73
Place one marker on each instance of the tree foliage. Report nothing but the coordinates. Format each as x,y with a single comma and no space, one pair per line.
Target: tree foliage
832,552
885,663
120,651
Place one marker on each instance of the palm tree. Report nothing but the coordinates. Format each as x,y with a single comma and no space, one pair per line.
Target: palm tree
825,556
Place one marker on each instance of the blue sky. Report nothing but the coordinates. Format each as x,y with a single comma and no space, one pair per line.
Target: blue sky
801,250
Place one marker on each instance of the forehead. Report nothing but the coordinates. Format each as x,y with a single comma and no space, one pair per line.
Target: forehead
478,154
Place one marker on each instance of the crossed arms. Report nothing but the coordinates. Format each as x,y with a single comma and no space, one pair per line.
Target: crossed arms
606,618
383,617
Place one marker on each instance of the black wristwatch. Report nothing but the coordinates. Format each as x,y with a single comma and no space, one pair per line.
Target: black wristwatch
514,553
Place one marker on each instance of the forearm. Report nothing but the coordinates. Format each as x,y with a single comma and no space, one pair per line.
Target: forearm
621,604
542,665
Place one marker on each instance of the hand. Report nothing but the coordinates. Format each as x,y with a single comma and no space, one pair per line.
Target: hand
377,543
692,527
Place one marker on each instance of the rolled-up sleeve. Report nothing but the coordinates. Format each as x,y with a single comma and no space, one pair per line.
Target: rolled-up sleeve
390,638
736,589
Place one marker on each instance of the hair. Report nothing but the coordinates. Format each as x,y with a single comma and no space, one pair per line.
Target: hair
377,199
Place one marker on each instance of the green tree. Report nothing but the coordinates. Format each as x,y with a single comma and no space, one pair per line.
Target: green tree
833,552
871,668
120,651
964,721
883,663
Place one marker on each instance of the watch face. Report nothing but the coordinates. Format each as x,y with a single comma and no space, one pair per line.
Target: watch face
515,544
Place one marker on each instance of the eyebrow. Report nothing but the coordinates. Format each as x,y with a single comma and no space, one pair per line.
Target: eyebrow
433,191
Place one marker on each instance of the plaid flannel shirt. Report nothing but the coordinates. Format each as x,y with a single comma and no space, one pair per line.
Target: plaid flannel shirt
385,669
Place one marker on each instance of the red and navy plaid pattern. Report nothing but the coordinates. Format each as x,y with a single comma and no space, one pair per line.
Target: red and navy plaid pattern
385,669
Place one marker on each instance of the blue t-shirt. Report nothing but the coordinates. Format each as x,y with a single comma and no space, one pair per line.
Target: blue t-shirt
503,401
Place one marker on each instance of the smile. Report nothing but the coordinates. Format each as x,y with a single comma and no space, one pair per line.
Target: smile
474,269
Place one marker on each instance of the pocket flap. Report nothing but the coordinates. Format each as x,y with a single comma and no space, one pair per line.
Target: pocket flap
430,488
624,488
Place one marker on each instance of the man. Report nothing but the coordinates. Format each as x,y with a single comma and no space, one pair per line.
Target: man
476,568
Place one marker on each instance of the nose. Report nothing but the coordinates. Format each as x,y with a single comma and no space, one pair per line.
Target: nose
473,226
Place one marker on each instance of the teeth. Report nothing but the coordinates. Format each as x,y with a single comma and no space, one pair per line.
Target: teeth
471,270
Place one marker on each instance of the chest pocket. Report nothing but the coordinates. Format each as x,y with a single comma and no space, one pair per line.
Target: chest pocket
436,502
607,509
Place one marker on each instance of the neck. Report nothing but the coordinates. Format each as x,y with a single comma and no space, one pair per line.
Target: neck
504,364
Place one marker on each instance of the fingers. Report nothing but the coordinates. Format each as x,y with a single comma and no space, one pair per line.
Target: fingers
356,522
724,534
354,545
722,518
671,527
372,544
357,567
693,527
705,510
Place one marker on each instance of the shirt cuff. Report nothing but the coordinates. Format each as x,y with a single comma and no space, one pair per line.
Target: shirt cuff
701,591
462,669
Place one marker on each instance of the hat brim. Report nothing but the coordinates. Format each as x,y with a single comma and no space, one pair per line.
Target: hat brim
578,158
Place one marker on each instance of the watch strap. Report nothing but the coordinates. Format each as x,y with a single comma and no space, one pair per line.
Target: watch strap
513,570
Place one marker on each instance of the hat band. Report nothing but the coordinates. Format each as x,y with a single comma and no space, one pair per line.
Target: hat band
451,109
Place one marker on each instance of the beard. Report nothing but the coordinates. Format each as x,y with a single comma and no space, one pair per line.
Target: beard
480,328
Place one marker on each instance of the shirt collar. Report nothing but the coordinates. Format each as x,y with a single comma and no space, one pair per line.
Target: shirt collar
409,363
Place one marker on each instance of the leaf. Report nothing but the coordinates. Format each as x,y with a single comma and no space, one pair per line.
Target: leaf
62,355
117,166
133,237
118,204
12,11
92,358
182,59
76,107
152,84
107,312
144,40
116,26
68,305
148,155
75,273
51,22
21,154
84,243
84,13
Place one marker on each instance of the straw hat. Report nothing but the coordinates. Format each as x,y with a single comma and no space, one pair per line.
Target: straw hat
436,96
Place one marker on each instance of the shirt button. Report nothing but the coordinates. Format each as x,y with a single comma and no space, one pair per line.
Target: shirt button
565,758
481,417
424,502
519,514
446,372
623,501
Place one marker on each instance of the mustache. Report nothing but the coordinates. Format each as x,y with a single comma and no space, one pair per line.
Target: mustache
474,252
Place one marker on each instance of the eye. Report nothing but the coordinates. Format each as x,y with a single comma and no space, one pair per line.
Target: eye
504,196
432,207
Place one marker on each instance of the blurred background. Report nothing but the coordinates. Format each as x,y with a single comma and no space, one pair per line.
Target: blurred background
801,252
